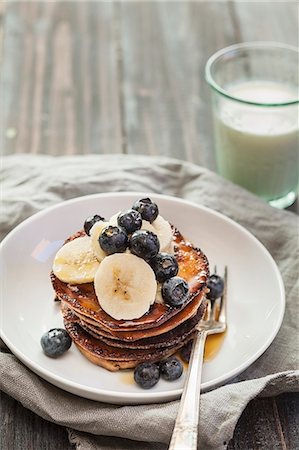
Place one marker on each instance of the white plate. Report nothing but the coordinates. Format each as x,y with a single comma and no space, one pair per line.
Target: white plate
255,289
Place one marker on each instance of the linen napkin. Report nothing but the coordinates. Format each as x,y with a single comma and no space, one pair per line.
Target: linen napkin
31,183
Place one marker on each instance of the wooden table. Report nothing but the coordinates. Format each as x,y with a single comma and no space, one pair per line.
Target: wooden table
108,77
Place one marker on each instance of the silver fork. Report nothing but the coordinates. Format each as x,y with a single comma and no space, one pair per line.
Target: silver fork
184,435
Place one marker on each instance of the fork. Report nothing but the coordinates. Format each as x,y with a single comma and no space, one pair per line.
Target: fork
184,435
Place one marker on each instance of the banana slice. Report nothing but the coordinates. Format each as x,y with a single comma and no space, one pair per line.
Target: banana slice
169,248
159,298
160,227
113,219
95,232
125,286
75,262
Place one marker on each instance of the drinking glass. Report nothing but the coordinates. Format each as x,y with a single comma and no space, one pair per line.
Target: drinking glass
255,113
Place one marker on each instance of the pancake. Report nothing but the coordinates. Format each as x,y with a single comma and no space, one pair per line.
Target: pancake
121,344
131,335
168,339
193,267
115,358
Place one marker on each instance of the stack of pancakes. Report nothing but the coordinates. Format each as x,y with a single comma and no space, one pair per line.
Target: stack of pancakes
121,344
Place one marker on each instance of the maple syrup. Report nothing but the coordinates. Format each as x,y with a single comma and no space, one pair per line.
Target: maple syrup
213,345
127,376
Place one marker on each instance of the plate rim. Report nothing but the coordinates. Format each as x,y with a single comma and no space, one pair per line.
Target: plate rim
139,397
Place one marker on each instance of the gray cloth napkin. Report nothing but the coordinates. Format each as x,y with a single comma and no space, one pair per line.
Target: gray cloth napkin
31,183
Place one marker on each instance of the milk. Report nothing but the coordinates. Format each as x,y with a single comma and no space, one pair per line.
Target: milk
257,146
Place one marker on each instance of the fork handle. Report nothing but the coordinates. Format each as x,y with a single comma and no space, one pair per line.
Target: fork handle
184,435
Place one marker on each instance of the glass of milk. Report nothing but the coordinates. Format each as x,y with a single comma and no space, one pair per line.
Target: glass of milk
256,118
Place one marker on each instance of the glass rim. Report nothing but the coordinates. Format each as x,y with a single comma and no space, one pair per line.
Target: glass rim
246,45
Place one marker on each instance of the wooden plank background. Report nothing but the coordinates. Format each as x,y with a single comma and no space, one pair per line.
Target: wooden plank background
126,77
103,77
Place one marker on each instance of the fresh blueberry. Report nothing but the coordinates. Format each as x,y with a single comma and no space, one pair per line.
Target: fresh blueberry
55,342
144,244
165,266
185,351
171,369
113,239
146,375
90,221
175,291
149,210
216,286
130,220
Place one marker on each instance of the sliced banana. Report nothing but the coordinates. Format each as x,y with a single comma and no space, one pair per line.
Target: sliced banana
75,262
159,298
113,219
125,286
169,249
160,227
95,232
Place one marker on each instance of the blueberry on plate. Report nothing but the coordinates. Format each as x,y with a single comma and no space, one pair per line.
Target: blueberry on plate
185,351
171,369
113,239
144,244
175,291
55,342
165,266
90,221
216,286
149,210
130,220
146,375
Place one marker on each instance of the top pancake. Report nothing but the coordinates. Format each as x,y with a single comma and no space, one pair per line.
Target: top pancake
193,267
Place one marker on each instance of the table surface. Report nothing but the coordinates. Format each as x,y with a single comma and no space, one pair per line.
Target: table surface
126,77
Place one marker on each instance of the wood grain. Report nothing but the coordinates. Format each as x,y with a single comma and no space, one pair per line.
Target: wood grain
20,429
107,77
166,101
268,423
165,45
60,78
266,21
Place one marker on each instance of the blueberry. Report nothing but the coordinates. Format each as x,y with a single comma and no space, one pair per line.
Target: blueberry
165,266
171,369
144,244
55,342
130,220
185,351
113,239
216,286
175,291
146,375
149,210
90,221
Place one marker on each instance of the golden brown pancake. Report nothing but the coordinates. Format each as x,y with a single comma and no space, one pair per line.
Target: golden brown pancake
131,335
193,267
115,358
168,339
117,344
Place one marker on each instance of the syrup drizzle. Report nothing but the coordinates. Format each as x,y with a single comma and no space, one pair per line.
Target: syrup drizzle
212,347
127,376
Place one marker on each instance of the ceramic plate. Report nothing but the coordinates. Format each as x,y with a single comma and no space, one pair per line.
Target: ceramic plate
255,289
